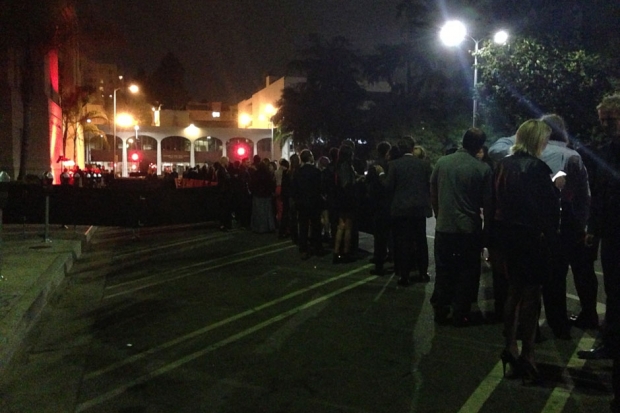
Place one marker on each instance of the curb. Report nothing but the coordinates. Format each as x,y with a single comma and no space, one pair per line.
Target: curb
16,325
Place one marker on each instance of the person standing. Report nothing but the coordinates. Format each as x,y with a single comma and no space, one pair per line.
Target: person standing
262,186
308,200
604,223
570,248
460,188
525,221
380,209
408,181
224,186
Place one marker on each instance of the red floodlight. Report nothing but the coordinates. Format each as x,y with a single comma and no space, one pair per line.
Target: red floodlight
135,157
241,151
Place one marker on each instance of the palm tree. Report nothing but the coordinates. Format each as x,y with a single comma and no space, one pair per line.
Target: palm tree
75,118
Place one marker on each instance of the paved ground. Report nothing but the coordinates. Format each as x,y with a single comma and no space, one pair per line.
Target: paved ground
33,262
190,319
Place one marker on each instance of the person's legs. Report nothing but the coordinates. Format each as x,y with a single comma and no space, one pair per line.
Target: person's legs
586,283
615,382
500,281
467,275
528,318
304,219
420,244
554,292
443,292
610,251
315,230
402,236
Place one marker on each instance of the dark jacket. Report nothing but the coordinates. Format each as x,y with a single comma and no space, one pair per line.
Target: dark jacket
605,210
408,181
525,196
307,188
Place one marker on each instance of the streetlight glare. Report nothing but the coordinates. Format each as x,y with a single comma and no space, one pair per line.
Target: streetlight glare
501,37
270,110
134,89
453,33
124,120
245,119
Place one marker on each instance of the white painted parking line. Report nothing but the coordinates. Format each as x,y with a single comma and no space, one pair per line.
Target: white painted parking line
218,324
560,394
202,269
235,337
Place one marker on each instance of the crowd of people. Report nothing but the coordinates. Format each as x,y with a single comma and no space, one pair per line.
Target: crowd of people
536,202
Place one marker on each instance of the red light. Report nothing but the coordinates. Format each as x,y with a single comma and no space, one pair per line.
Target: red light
135,156
240,151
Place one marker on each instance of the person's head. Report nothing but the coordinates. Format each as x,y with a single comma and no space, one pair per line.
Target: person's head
306,156
473,140
345,154
558,127
295,161
349,143
419,152
532,137
609,116
394,153
224,161
284,164
333,154
406,144
323,162
256,160
382,149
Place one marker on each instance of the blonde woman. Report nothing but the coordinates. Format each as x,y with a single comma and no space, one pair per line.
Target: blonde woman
526,219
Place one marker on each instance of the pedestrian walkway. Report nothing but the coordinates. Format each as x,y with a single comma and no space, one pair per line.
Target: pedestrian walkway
31,267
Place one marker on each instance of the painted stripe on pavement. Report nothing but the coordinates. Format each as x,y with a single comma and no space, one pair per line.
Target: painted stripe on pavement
190,357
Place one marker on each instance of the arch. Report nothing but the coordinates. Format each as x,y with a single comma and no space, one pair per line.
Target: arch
176,143
175,150
263,148
208,149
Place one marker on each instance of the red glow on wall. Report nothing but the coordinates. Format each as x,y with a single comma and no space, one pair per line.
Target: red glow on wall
53,62
56,150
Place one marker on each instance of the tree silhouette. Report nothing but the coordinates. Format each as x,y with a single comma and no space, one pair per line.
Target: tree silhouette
166,84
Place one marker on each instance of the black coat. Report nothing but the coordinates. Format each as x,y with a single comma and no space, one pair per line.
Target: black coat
307,188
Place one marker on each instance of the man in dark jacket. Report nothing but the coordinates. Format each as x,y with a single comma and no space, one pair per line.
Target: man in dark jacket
308,201
408,181
380,209
604,223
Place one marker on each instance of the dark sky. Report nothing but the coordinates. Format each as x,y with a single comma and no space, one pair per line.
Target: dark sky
227,46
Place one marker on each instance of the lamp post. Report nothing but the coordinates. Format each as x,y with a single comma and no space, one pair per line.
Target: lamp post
132,89
452,34
271,111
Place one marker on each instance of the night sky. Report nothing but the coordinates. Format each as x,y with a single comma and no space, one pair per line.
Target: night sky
228,46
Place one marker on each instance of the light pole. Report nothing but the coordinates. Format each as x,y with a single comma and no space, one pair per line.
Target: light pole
452,34
271,111
132,89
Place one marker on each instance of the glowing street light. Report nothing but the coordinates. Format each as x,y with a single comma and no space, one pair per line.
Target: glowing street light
453,33
132,89
245,120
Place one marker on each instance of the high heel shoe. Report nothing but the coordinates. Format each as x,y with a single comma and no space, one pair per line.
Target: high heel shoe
529,372
508,358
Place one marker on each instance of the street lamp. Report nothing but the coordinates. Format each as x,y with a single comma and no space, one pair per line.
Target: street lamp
132,89
453,33
271,111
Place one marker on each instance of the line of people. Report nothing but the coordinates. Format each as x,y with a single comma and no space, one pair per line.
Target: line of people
539,207
537,204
